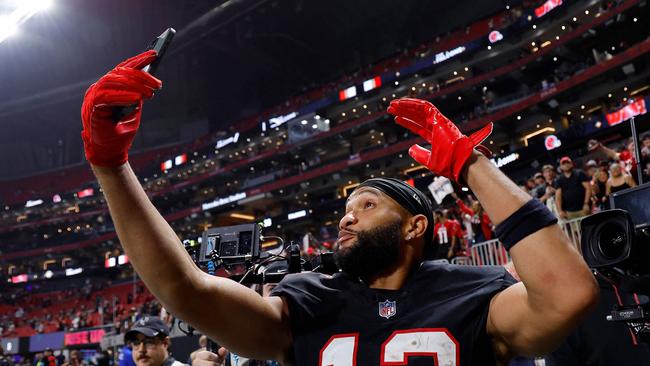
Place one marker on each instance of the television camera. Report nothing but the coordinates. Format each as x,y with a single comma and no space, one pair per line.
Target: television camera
616,244
239,246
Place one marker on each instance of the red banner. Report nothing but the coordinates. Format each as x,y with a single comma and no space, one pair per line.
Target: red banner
627,112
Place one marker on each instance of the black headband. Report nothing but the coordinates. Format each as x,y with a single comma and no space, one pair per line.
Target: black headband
412,199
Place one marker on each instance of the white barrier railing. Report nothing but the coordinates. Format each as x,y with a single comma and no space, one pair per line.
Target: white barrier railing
493,253
572,229
489,253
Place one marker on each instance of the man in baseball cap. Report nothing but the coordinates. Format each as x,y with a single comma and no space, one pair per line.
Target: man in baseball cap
149,340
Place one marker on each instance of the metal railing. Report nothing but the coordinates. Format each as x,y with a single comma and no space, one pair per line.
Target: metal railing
493,253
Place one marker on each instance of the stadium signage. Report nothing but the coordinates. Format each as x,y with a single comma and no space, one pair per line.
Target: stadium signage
505,160
279,120
348,93
73,271
88,192
372,83
552,142
444,56
227,141
19,278
495,36
297,215
547,7
223,201
84,337
166,165
109,262
634,109
180,159
32,203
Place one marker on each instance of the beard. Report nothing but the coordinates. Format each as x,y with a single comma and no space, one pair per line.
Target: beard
376,251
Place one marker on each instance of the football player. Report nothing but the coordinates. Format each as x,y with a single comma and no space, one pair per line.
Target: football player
387,306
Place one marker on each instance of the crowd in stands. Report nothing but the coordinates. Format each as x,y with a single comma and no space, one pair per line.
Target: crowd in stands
568,191
94,304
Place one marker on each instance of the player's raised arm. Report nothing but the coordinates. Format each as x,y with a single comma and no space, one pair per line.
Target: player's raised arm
557,288
233,315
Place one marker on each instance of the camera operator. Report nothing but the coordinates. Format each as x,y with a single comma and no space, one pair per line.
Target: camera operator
386,294
598,342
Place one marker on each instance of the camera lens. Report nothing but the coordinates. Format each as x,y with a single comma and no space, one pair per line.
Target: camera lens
612,240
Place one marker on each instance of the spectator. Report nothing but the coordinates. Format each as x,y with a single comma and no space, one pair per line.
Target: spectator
443,232
106,358
149,341
481,224
548,172
573,191
4,360
125,357
599,186
538,178
48,358
625,156
591,168
645,156
618,181
75,359
458,248
203,346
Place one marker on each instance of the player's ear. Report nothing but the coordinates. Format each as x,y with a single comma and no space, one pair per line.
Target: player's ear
416,227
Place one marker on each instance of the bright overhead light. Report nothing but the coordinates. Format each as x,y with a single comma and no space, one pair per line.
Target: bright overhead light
7,28
22,11
35,5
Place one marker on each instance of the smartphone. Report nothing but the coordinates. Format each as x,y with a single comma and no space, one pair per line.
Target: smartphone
160,44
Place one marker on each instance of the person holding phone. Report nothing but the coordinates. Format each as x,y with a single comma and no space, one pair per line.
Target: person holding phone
388,304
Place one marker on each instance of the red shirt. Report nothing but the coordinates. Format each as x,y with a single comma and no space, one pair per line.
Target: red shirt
444,232
486,224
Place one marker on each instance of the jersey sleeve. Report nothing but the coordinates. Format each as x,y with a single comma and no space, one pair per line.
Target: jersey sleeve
309,296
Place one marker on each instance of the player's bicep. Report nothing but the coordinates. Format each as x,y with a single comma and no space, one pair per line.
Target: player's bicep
222,308
516,328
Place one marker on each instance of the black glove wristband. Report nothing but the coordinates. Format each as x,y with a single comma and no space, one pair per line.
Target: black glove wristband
530,218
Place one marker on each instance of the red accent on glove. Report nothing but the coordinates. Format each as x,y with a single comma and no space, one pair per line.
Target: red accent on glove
107,143
450,149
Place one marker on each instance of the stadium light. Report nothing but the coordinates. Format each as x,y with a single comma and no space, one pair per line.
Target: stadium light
7,28
22,11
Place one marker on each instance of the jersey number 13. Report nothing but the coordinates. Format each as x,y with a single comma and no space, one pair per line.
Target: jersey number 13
437,343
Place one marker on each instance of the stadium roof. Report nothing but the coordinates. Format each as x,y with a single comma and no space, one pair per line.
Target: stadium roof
226,63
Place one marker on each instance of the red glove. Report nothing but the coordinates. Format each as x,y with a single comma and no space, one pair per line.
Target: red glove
450,149
106,142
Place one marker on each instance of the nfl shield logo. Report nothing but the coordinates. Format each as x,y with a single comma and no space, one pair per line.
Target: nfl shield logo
387,309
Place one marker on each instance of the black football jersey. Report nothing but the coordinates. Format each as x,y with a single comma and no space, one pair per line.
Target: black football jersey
438,317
